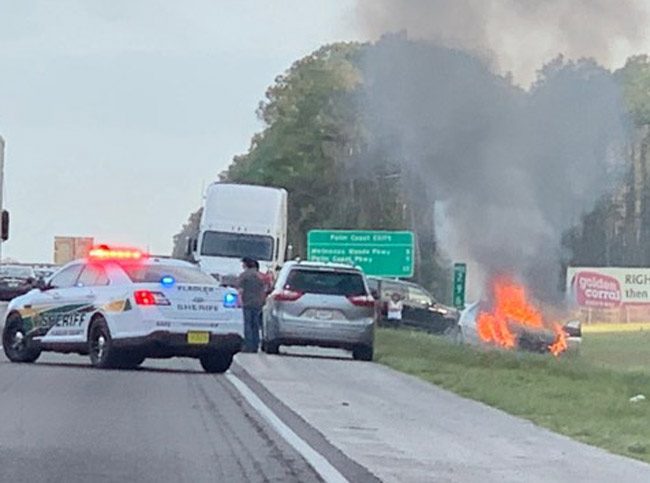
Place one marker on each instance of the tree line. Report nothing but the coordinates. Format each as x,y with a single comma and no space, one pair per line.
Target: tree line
317,144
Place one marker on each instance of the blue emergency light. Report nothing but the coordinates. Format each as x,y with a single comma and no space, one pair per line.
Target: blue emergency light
167,281
230,300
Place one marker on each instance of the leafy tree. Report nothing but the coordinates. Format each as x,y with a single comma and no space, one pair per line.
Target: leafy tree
312,132
635,79
189,230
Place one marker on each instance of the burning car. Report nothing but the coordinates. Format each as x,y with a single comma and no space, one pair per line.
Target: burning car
511,321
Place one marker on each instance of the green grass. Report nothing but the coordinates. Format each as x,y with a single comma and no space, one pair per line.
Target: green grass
584,396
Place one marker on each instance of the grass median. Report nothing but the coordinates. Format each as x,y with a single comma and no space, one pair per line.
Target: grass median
585,396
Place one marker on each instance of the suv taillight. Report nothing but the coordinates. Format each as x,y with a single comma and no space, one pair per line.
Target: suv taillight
362,300
287,295
149,298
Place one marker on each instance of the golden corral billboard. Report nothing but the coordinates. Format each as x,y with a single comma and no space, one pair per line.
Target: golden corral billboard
608,287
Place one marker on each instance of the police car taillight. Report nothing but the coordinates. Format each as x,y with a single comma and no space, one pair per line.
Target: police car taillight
149,298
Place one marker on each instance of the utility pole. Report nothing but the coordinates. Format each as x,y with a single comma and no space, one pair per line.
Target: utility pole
2,182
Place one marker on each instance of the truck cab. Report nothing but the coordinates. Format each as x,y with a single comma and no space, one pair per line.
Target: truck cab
241,221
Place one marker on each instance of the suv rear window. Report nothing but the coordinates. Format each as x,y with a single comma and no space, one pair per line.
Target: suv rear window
155,273
326,282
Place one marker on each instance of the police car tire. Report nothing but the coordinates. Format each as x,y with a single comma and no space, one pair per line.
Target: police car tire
362,353
25,354
108,360
216,362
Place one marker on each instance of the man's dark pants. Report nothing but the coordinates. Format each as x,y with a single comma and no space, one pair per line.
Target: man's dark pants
252,326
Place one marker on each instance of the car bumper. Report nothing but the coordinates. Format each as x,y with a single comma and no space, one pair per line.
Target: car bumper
164,344
343,334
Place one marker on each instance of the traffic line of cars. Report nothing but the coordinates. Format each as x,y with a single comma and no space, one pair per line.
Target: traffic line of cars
120,306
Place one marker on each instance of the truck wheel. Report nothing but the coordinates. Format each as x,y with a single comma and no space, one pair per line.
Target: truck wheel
100,345
362,353
15,345
216,362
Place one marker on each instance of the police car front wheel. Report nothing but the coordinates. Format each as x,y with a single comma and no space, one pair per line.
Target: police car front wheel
15,342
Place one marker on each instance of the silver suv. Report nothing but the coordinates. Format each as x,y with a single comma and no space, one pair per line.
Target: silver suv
320,304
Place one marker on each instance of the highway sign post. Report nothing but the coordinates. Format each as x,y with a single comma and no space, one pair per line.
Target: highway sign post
460,275
380,253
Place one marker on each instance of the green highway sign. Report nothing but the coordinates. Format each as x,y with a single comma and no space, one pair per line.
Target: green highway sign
381,253
460,275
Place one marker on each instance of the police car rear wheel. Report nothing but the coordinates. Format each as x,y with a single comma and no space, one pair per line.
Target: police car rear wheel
216,362
15,345
100,345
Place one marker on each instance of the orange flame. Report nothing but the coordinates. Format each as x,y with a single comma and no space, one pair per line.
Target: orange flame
560,344
511,307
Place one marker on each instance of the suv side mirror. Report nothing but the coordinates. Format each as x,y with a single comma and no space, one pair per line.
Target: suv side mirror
4,226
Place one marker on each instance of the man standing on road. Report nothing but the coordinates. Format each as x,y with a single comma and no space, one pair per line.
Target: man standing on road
253,293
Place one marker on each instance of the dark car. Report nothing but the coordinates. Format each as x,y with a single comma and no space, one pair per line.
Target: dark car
420,308
15,280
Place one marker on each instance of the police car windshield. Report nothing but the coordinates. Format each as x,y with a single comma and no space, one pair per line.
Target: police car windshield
155,273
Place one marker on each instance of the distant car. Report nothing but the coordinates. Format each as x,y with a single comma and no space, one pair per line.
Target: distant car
420,308
43,273
120,306
15,280
320,304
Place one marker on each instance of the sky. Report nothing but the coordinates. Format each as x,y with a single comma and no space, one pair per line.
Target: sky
116,114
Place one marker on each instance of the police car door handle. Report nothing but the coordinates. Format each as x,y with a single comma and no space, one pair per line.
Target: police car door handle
56,295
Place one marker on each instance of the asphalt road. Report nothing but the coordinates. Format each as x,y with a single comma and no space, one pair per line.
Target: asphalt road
304,416
63,421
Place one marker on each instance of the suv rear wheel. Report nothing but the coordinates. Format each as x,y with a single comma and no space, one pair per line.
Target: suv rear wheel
271,347
216,362
362,353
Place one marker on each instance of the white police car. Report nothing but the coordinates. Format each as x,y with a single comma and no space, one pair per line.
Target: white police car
120,306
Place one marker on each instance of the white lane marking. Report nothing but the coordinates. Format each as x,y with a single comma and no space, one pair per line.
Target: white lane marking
313,457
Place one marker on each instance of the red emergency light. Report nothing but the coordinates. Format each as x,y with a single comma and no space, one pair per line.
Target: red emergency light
104,252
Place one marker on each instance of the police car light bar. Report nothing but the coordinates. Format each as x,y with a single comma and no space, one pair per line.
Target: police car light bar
104,252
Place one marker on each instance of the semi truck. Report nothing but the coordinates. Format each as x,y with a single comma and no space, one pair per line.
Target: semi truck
239,221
